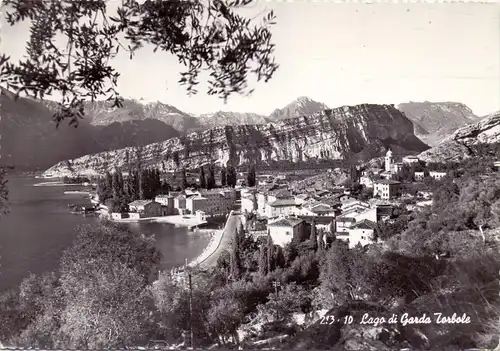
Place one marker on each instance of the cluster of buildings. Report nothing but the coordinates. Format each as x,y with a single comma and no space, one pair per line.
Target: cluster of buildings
383,180
284,214
202,203
333,210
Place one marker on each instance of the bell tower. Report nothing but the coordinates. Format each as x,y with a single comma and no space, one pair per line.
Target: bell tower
388,161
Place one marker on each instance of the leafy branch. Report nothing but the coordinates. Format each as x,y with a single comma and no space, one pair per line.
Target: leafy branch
205,36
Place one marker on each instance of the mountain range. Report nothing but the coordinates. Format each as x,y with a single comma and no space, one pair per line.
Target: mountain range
460,144
435,121
348,132
30,137
30,140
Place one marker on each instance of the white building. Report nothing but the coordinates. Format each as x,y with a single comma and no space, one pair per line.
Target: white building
410,159
348,218
386,188
362,232
317,210
391,168
248,204
214,202
366,181
419,176
355,204
388,161
144,208
168,202
280,194
180,202
280,207
437,175
301,199
196,203
283,230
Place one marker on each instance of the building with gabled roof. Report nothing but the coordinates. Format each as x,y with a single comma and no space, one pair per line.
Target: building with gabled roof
144,208
360,233
325,223
280,207
283,230
386,188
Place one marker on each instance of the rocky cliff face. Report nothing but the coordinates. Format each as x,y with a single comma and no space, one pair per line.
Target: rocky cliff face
435,121
458,146
340,133
30,140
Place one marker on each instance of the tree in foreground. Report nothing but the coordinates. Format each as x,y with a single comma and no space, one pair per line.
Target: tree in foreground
204,36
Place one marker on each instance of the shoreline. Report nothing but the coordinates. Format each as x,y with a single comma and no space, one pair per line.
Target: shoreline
210,249
177,220
60,183
216,235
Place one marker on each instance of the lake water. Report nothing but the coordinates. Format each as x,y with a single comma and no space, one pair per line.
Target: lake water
39,227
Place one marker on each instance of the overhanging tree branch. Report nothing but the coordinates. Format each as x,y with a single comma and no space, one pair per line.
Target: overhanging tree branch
205,36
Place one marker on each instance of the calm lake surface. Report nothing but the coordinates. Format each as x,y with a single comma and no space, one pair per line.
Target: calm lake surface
39,227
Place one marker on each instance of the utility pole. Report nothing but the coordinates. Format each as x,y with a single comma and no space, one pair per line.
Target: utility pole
188,271
276,284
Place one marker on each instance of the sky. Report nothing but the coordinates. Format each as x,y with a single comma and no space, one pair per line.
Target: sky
342,54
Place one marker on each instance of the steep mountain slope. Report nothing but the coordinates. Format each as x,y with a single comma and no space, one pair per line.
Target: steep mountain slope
341,133
101,113
30,140
435,121
302,106
222,118
458,146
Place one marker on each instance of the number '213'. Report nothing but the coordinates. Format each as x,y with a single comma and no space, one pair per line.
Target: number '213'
329,320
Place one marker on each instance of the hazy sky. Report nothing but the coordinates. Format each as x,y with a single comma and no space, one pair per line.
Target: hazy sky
344,54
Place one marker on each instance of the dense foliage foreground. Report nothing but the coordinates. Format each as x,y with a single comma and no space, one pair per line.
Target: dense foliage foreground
431,261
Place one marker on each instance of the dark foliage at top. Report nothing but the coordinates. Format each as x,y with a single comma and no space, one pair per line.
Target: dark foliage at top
209,37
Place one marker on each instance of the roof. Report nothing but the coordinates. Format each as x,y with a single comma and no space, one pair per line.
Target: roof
197,197
282,203
318,220
319,208
286,222
341,233
345,219
384,211
141,202
364,224
354,202
337,190
280,193
386,181
180,197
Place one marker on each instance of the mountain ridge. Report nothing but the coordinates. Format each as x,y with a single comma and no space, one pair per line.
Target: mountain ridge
31,141
457,146
332,134
435,121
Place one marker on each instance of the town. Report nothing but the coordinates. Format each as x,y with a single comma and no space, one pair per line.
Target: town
342,204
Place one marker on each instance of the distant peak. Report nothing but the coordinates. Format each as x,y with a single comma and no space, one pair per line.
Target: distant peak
303,99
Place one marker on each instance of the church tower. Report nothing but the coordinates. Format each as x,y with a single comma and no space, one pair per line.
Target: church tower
388,161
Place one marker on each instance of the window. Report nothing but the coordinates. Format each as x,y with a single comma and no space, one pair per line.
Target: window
287,232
